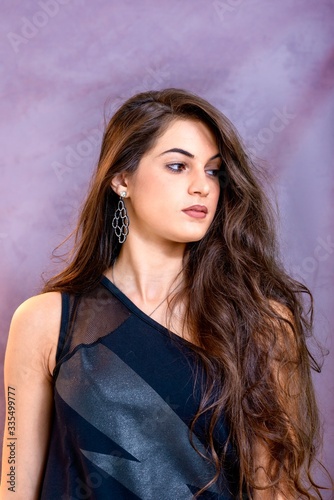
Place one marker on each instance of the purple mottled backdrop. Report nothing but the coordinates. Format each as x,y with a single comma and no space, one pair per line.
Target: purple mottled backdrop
267,64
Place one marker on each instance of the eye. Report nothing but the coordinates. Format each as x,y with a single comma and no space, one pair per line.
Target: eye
175,167
213,172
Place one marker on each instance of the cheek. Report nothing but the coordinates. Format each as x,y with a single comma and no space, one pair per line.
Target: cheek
160,193
146,183
147,200
216,196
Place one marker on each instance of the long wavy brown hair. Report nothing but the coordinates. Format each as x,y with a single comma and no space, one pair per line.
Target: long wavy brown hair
246,315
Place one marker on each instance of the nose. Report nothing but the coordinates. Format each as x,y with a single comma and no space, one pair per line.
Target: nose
199,184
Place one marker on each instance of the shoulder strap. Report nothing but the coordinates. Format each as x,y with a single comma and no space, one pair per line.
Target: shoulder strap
69,305
65,312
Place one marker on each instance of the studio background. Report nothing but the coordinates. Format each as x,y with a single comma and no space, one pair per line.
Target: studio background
267,65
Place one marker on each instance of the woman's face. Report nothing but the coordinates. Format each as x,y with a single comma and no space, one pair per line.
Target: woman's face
173,194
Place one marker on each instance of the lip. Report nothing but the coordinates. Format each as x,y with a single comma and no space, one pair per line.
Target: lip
196,211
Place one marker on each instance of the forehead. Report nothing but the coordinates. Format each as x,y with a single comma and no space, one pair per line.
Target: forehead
187,134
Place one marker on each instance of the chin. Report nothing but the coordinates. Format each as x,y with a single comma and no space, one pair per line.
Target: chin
192,238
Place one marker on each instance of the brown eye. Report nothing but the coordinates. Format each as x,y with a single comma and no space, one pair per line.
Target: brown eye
175,167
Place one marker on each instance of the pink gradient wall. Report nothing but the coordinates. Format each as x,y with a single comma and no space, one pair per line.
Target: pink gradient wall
268,65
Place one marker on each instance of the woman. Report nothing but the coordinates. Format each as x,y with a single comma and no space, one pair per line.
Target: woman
181,369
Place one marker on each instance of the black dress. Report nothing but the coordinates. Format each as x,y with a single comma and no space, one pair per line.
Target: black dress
124,397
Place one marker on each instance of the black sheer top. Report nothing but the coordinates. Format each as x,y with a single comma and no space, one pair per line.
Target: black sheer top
124,398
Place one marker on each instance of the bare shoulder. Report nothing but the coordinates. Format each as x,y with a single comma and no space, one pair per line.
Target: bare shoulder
45,307
28,373
35,327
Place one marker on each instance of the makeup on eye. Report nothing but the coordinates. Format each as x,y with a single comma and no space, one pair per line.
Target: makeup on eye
177,167
171,167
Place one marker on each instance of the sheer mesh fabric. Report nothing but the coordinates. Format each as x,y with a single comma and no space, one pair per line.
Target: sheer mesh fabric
90,317
124,397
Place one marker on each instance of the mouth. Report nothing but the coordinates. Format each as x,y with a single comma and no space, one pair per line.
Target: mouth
196,211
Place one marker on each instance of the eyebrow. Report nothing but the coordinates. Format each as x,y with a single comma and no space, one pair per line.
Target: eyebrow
186,153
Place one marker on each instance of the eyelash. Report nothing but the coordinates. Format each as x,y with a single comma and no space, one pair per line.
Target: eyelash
215,172
175,171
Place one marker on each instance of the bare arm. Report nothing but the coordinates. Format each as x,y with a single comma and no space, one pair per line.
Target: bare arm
29,362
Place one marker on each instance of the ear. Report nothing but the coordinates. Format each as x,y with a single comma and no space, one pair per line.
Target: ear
119,183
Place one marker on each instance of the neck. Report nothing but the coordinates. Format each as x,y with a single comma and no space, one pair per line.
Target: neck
147,273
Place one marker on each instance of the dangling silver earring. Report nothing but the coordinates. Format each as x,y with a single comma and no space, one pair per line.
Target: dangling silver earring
120,221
